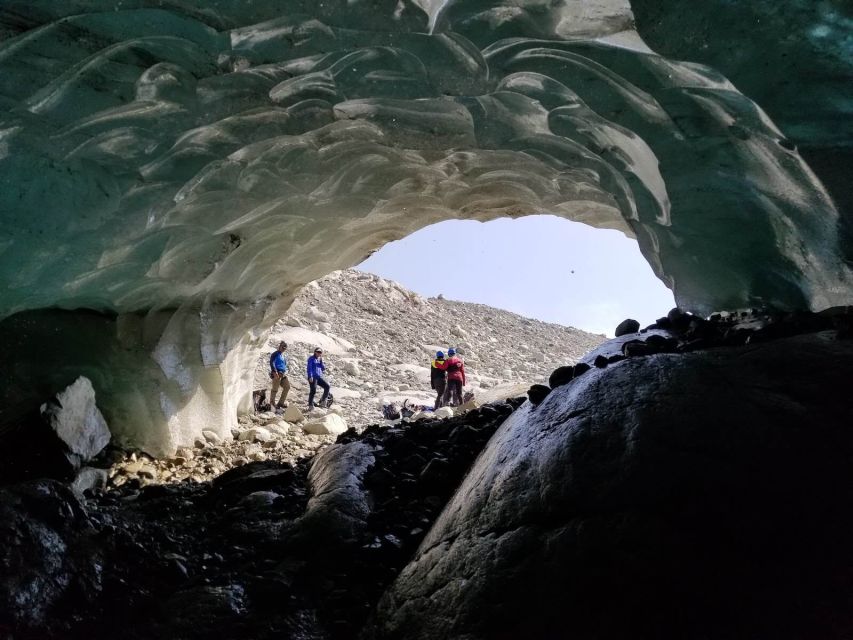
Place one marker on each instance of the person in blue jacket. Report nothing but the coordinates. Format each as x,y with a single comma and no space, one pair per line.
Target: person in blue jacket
316,369
278,375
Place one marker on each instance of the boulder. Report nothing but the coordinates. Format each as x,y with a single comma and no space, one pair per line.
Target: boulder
328,425
443,412
256,434
68,431
696,495
74,417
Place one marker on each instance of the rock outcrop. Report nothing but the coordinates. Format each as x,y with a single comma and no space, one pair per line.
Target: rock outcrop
675,495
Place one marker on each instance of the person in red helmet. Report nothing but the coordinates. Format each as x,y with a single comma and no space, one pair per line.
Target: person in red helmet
455,379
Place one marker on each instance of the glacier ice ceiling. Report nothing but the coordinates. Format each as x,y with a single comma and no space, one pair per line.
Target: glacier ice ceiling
172,171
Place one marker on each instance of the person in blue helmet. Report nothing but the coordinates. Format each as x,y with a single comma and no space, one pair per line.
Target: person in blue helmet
315,372
455,379
278,375
438,377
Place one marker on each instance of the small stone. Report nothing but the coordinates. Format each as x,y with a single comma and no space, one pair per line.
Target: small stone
211,436
581,368
292,414
458,331
561,376
256,434
443,412
259,499
89,479
147,471
537,393
132,468
627,326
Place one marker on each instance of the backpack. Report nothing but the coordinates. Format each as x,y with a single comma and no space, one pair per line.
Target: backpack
390,412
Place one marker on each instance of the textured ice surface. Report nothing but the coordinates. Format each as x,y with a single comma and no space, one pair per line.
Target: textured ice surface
187,165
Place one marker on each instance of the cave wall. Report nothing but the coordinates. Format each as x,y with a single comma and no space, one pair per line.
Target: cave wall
200,162
794,58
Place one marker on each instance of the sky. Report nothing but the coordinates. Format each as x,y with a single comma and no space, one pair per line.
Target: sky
541,267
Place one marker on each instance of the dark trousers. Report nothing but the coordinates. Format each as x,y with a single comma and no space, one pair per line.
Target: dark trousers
439,386
313,385
453,395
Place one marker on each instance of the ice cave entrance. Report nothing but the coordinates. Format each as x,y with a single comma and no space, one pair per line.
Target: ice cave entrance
542,267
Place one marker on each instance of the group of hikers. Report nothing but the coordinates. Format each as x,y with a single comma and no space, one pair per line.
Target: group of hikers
314,372
447,378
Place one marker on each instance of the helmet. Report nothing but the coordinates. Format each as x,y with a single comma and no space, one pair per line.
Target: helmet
439,354
451,351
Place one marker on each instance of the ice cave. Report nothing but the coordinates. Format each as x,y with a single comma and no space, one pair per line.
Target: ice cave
172,172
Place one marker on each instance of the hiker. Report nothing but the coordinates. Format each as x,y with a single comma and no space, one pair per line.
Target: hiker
316,369
455,379
438,377
278,374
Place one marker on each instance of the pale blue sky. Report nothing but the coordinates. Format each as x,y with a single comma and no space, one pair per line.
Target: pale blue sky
541,267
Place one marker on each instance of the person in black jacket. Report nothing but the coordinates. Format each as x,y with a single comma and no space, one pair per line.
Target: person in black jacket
438,377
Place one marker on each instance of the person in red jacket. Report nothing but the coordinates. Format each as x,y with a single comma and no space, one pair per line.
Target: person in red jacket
455,379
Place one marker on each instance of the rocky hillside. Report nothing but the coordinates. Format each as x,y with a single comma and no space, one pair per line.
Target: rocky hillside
378,339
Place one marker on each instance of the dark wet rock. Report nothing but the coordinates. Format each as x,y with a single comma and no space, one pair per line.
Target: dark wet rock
338,508
68,431
697,495
600,361
627,326
49,563
561,376
537,393
581,368
637,348
252,477
200,611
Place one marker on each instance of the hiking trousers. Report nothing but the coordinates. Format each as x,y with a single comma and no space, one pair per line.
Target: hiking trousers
279,383
313,387
453,395
439,386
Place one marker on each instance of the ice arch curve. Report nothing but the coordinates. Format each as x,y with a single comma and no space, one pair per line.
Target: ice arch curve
182,170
